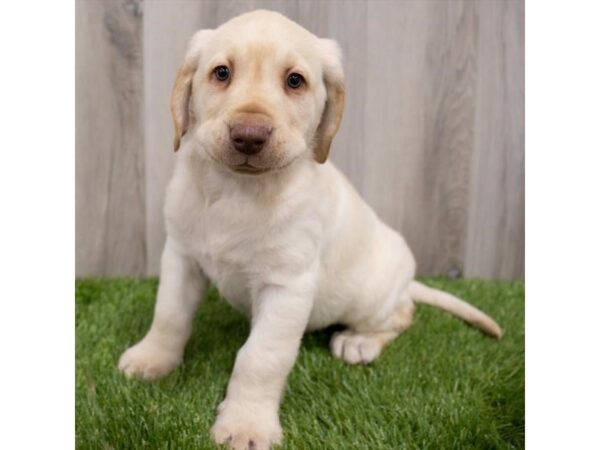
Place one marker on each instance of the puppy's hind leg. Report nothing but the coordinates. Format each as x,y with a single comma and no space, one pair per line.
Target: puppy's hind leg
364,344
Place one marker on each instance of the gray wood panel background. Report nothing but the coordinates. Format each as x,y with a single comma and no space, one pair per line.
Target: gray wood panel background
432,136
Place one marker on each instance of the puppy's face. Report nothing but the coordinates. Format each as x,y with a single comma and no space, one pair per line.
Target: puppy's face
259,93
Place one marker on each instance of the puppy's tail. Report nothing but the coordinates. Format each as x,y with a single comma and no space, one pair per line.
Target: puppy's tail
454,305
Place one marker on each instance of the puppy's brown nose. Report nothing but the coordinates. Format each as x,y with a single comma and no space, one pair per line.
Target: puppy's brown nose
248,138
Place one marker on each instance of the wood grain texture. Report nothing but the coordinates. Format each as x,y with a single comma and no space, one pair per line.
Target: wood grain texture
110,193
432,135
496,227
420,123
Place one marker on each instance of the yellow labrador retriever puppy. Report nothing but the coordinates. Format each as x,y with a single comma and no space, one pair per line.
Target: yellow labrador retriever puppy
255,207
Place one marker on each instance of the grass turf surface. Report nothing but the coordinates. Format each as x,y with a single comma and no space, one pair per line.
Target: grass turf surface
440,385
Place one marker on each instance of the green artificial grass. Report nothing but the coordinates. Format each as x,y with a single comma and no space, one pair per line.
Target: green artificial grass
440,385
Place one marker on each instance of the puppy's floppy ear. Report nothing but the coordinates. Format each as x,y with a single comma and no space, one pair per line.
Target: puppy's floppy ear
182,90
333,76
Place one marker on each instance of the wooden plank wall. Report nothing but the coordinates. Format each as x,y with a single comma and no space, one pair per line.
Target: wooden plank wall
109,142
432,137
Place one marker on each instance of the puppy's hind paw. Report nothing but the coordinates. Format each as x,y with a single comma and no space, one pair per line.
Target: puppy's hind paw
357,348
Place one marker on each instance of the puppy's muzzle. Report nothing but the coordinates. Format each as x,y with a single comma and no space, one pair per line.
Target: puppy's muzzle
250,135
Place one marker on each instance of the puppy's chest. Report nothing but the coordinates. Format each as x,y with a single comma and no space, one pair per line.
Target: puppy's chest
214,234
238,241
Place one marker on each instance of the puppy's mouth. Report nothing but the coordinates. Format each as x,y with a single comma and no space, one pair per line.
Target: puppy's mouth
240,168
248,168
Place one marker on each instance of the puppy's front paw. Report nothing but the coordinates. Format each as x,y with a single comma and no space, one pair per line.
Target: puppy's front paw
247,426
148,361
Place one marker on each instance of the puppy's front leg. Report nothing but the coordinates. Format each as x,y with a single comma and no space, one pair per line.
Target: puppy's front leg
248,417
182,286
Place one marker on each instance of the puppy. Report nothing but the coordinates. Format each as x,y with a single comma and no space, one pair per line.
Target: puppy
255,207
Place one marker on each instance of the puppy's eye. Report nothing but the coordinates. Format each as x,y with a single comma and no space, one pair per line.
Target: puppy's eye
222,73
295,80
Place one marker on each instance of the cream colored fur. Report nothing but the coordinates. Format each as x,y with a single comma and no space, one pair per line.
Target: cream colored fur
286,239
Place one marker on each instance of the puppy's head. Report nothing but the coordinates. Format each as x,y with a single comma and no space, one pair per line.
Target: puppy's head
259,93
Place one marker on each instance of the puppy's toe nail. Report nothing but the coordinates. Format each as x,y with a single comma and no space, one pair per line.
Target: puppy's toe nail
337,344
351,353
368,352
